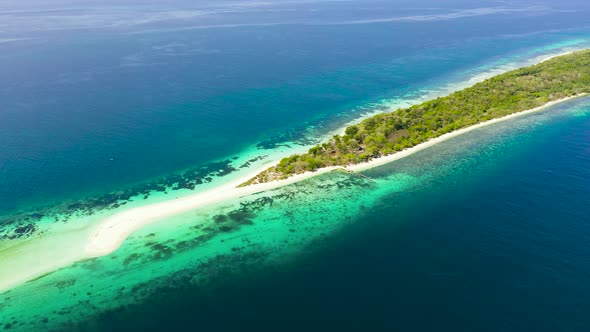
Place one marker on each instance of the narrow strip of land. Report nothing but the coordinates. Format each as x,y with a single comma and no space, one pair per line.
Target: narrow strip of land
419,127
390,133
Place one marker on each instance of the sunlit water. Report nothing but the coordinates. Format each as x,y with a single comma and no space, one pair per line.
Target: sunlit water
487,231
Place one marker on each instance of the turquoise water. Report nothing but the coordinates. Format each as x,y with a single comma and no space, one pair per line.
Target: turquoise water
487,231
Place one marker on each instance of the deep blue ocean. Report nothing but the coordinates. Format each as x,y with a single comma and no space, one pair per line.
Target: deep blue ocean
98,97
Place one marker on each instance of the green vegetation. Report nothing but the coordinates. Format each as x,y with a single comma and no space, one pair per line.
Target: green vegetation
387,133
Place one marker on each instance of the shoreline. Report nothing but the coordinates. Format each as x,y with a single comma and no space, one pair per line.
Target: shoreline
554,56
407,152
452,87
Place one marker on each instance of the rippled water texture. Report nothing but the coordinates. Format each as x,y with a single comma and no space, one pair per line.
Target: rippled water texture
120,106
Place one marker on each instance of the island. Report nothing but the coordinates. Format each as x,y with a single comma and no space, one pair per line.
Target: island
374,141
385,134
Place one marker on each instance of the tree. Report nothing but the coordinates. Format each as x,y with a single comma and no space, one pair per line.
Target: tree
351,131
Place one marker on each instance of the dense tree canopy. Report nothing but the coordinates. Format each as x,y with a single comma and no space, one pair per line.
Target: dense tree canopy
387,133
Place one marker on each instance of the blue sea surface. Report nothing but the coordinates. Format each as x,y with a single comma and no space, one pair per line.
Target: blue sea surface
488,231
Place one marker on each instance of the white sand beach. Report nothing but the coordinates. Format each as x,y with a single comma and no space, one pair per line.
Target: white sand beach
399,155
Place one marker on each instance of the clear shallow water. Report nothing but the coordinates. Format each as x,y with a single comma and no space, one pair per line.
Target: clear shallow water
485,232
